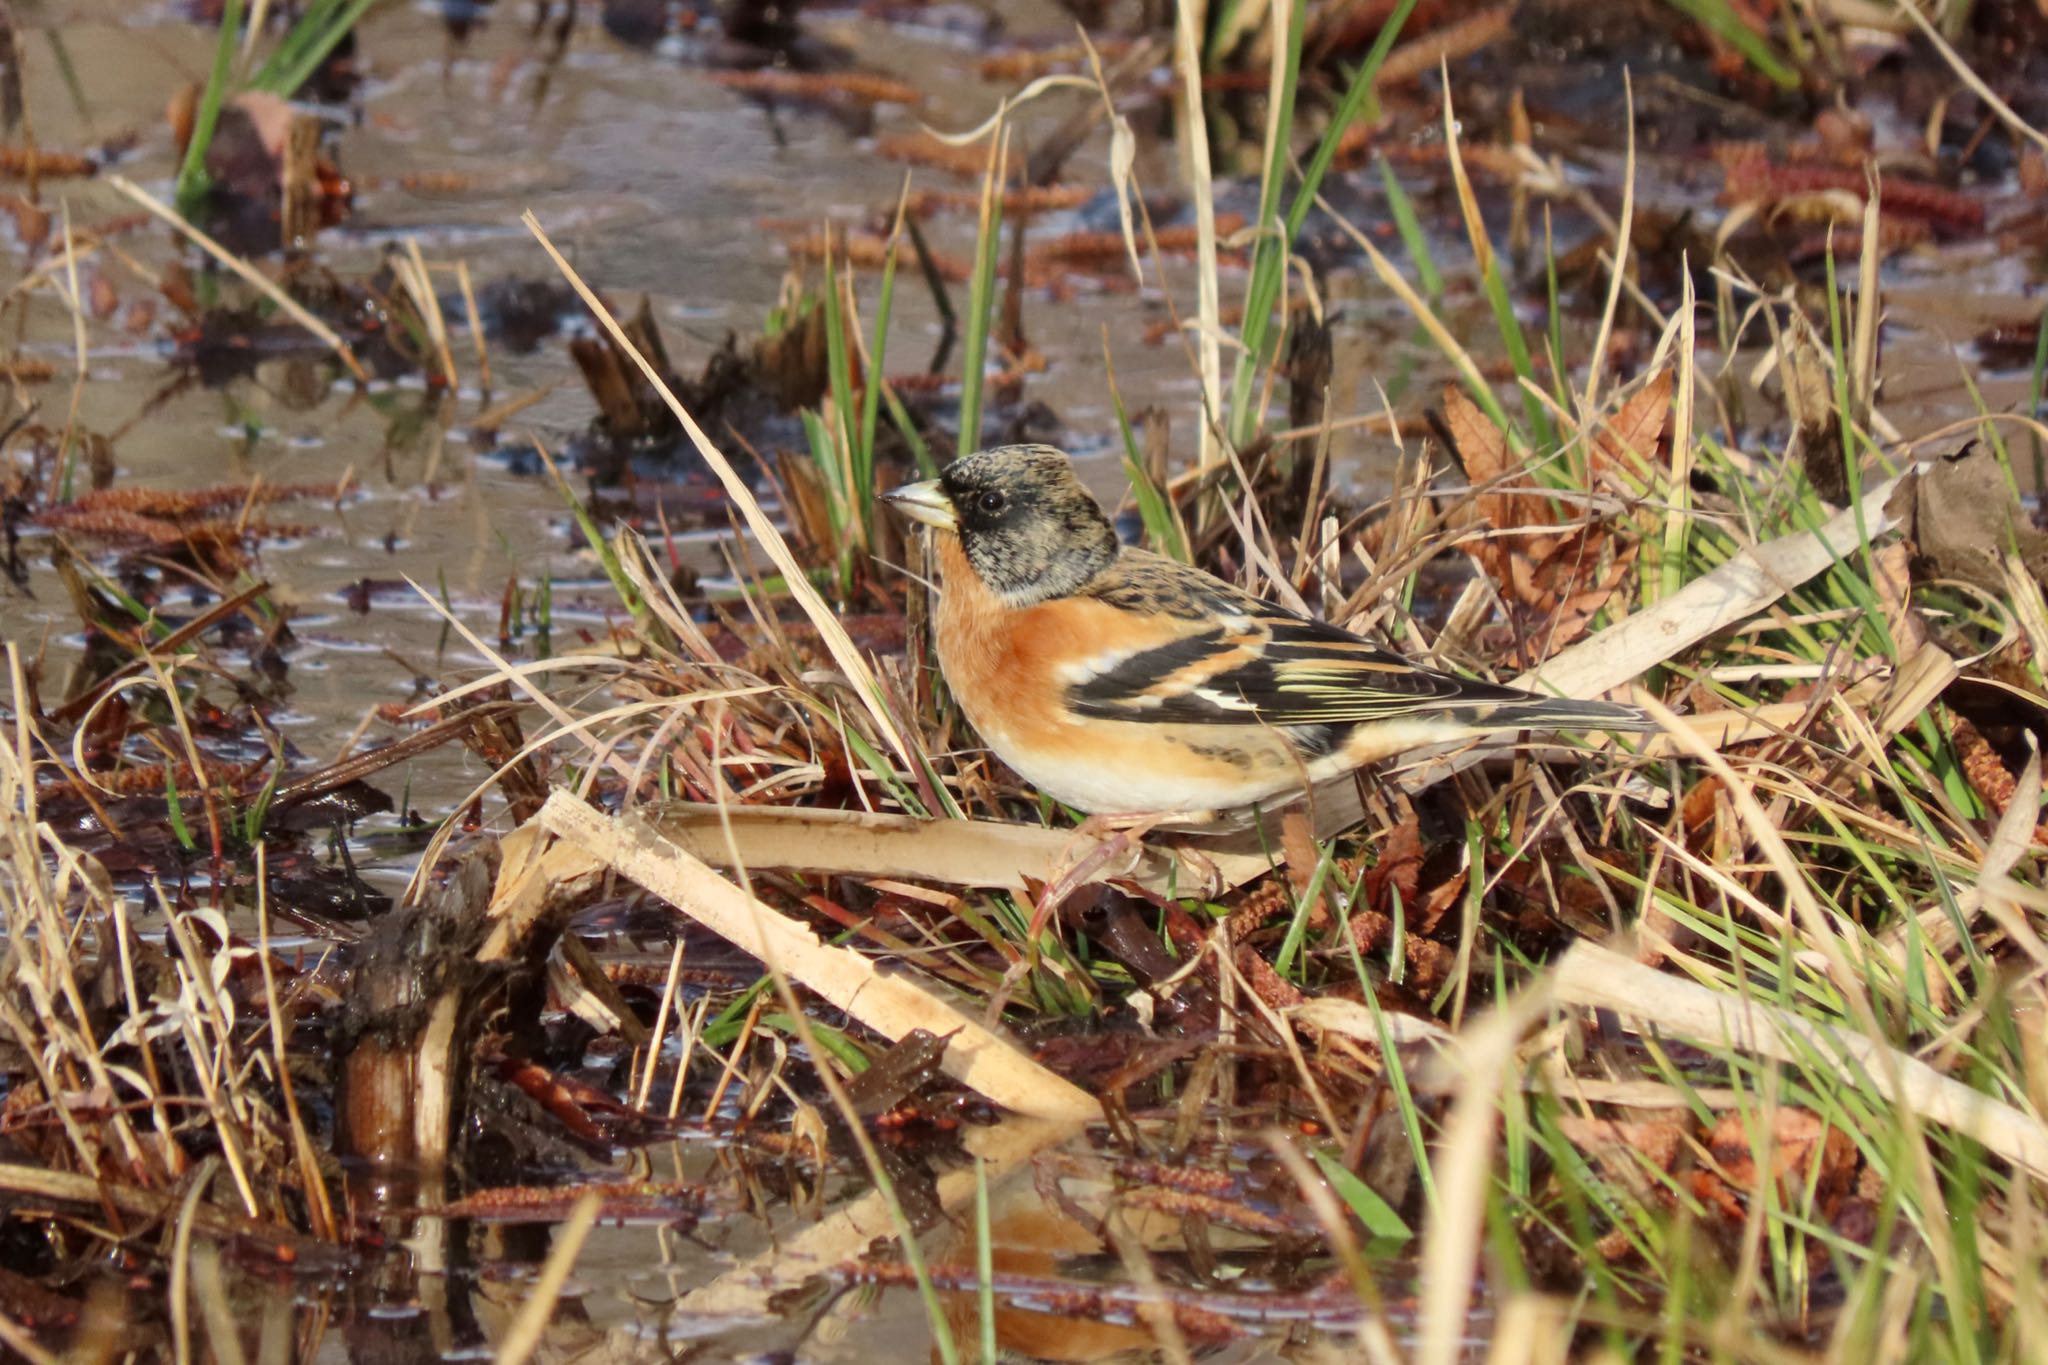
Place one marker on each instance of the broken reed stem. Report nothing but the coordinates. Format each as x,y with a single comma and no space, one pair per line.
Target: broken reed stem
2004,111
181,1262
1464,1178
60,474
420,285
669,986
1601,978
891,1004
212,1065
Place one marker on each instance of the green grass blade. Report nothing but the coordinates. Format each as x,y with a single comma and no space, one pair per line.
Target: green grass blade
175,806
192,178
307,45
871,392
1262,293
1269,256
1376,1213
1720,19
981,298
1413,240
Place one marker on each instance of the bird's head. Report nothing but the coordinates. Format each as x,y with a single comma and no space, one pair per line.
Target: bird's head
1029,529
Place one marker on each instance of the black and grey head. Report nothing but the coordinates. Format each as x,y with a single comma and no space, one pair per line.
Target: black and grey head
1028,527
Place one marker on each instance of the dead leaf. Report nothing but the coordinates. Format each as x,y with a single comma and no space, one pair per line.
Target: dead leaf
1298,846
1398,871
1804,1150
2034,166
1633,439
1482,450
1555,576
1891,576
1657,1141
1699,804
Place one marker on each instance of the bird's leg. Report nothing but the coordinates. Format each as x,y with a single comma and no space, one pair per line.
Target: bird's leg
1115,835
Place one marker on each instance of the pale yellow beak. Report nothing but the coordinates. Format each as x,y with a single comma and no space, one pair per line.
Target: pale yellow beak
926,502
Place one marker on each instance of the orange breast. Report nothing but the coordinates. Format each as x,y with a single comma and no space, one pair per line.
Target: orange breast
1008,667
1002,662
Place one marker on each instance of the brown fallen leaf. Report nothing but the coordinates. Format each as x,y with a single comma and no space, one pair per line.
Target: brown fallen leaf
1805,1152
1892,578
1398,871
1635,439
1555,575
1622,1147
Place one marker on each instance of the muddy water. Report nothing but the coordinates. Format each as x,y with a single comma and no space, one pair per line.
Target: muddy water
651,178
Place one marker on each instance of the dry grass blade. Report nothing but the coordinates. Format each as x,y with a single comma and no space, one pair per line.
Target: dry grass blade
477,339
891,1004
1464,1178
181,1261
1197,168
524,1339
319,1209
1746,584
1834,935
1123,156
15,1338
821,616
255,277
418,282
81,350
2010,840
1624,230
1970,78
1397,284
1600,978
1009,106
521,676
217,1308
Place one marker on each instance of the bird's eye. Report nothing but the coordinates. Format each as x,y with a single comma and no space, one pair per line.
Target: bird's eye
992,502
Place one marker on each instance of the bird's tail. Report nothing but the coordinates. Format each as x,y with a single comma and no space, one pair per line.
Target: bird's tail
1564,713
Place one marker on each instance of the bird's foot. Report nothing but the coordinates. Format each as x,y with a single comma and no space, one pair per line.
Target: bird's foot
1115,837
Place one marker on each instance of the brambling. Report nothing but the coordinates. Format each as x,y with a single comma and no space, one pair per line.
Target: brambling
1121,682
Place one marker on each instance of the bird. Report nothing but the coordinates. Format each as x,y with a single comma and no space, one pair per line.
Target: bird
1123,683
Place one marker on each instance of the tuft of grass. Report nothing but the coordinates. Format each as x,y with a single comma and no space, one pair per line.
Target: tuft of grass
313,35
1260,344
317,31
841,434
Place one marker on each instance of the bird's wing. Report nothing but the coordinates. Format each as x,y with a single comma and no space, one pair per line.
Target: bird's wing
1238,660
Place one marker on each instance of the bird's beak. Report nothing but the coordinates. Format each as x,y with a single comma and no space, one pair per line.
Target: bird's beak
926,502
